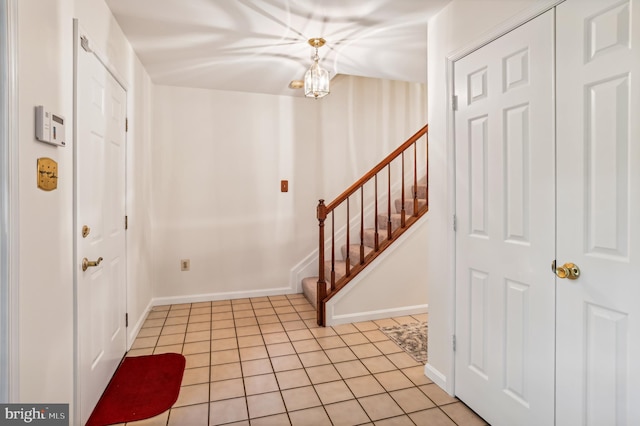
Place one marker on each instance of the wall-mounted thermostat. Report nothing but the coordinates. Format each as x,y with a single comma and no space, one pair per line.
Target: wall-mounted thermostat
49,127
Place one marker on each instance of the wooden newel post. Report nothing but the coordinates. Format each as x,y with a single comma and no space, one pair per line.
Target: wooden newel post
322,285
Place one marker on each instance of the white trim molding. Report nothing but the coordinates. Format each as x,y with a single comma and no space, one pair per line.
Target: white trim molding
9,217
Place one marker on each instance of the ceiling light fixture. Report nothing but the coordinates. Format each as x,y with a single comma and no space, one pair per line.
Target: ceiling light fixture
316,79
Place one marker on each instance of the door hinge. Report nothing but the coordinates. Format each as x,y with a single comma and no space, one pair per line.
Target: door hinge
454,102
126,223
454,342
455,223
126,320
126,125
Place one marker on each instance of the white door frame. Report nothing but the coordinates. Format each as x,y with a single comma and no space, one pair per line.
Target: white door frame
497,32
78,32
9,224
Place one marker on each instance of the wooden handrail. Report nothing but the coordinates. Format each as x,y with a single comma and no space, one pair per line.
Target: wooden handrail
388,159
324,211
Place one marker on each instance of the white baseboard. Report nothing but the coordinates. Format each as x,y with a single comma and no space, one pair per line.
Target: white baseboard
132,333
374,315
436,376
195,298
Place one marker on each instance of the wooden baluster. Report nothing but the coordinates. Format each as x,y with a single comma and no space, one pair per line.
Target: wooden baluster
362,225
376,237
333,252
402,211
321,291
348,257
415,178
389,202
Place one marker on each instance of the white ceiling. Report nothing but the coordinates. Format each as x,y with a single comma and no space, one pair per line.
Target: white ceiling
261,45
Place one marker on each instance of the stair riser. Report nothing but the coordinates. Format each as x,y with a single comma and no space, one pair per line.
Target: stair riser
423,191
395,222
408,205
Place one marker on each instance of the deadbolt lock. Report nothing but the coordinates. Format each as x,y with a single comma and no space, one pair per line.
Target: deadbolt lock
85,231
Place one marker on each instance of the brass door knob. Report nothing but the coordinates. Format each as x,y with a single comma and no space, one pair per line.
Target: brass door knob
568,270
86,263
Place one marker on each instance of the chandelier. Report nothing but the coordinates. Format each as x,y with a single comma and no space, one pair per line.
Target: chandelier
316,79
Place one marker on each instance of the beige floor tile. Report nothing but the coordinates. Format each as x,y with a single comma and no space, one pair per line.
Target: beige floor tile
197,336
195,415
261,304
199,326
279,301
280,349
247,331
260,384
388,347
280,310
248,341
303,346
224,357
393,380
311,416
331,342
256,367
347,413
242,306
364,386
378,364
380,406
412,400
421,317
196,347
268,319
197,360
292,379
416,375
340,354
243,314
161,308
323,374
273,338
308,315
367,350
295,335
201,305
149,332
402,360
463,415
294,325
375,335
323,332
199,318
144,342
157,314
354,339
284,363
200,311
176,321
173,329
218,324
351,369
226,389
300,398
432,417
264,312
405,320
277,420
312,359
345,329
168,349
224,344
244,322
217,316
220,303
223,333
366,326
254,352
226,371
140,352
227,411
396,421
152,323
333,392
194,394
385,322
194,376
265,404
437,395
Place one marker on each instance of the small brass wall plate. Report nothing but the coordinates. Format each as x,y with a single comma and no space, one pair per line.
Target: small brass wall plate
47,174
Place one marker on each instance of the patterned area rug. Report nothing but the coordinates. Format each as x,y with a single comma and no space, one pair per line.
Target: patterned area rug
412,338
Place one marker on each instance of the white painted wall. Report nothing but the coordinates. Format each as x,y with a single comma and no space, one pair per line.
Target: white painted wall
218,160
454,28
46,311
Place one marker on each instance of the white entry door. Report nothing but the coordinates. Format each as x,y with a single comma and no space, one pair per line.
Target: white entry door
598,314
505,296
100,211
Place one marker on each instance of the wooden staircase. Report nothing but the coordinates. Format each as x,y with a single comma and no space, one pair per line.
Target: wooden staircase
372,195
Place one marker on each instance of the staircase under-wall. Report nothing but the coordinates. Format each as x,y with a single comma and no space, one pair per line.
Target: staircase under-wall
397,194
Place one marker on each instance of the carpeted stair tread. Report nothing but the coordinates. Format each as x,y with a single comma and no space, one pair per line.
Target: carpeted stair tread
310,289
408,205
354,253
396,219
369,237
423,190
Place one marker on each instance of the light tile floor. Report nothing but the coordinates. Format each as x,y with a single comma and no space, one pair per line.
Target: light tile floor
264,361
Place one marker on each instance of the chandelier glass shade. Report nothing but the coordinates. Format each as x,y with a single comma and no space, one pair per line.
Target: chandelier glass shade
316,79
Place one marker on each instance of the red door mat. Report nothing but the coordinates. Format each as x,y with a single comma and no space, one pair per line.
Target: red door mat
142,387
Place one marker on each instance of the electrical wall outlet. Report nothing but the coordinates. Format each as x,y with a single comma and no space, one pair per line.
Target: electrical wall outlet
185,264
